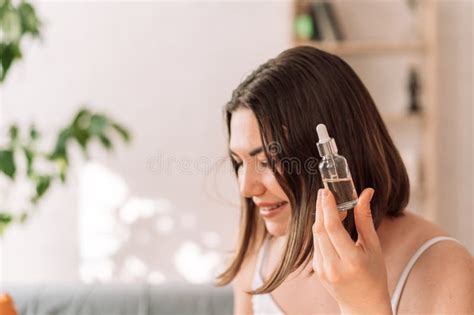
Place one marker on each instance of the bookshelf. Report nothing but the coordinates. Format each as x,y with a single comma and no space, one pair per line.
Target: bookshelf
419,45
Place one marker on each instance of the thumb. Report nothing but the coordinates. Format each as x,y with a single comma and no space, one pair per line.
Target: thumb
363,218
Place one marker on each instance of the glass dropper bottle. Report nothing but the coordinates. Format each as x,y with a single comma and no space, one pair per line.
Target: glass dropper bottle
335,171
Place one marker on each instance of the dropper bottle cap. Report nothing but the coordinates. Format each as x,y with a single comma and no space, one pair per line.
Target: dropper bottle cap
326,145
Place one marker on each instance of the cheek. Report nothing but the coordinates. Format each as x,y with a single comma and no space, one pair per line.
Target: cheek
273,186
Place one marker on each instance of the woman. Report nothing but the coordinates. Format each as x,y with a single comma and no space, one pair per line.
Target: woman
296,253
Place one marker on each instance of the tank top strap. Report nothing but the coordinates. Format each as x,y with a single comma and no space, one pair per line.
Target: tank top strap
263,304
408,267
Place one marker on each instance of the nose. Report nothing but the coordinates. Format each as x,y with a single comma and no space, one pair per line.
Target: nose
250,183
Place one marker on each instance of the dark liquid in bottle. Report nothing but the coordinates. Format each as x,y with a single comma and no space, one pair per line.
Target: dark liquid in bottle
343,191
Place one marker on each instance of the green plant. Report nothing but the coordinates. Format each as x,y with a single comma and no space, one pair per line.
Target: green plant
16,21
84,128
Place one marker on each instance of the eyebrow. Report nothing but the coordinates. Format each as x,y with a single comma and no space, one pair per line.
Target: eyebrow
252,152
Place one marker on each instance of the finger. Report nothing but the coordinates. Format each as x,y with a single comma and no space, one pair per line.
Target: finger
363,219
317,257
328,252
342,214
340,238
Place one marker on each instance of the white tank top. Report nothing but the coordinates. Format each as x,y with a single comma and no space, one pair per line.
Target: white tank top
263,304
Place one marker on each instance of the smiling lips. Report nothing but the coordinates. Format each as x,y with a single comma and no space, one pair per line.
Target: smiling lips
270,210
268,206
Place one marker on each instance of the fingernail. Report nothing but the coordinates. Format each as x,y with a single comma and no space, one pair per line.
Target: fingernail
326,193
372,191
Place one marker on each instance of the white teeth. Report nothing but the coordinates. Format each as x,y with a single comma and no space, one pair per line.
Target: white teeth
276,206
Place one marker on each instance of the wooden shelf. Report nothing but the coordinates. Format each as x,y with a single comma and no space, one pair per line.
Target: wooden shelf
423,125
347,48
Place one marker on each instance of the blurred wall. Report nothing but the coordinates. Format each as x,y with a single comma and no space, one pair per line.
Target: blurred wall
455,138
165,69
154,212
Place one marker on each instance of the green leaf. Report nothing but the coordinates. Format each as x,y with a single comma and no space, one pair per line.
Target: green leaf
5,217
122,131
15,22
97,124
29,155
82,119
106,142
34,134
13,133
42,184
62,177
82,137
29,21
10,23
7,163
60,149
3,5
80,129
23,217
8,53
63,167
5,220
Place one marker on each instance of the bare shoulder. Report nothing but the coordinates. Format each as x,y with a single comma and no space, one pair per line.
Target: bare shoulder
442,278
412,231
407,232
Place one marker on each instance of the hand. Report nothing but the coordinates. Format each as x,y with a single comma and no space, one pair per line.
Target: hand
353,273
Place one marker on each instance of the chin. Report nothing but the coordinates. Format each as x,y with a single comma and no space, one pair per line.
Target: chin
276,228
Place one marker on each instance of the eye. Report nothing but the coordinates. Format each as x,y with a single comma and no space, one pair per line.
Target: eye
263,164
237,164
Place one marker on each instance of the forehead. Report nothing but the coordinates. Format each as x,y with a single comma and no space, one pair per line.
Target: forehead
244,131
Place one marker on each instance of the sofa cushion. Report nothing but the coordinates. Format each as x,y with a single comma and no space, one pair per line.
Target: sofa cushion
120,299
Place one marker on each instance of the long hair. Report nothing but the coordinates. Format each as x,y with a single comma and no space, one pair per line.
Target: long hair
290,95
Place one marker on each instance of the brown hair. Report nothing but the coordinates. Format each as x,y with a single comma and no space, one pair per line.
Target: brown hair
290,95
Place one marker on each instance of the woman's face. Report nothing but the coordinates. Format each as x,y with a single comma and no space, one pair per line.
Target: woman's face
256,179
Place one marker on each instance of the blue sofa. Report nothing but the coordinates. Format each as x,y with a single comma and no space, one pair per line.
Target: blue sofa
120,299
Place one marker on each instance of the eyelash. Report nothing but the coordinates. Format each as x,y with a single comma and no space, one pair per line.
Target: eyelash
238,165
